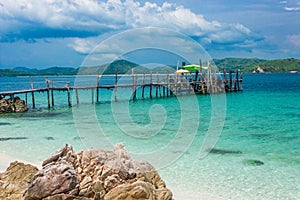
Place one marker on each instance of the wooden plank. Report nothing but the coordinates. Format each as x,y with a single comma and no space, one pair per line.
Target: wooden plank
8,93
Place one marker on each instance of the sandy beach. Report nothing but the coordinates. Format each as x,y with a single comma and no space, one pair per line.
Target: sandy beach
6,160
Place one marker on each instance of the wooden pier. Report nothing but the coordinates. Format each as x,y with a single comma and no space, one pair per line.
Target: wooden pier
164,85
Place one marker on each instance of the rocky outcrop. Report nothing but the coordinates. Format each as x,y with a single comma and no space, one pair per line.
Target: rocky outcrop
14,181
96,174
12,105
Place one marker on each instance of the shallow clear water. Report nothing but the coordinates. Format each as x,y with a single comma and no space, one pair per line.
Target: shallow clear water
262,123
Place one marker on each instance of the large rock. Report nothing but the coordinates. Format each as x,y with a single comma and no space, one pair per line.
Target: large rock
52,180
96,174
14,181
137,190
20,105
15,105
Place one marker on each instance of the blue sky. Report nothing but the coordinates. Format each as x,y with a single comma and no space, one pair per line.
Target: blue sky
45,33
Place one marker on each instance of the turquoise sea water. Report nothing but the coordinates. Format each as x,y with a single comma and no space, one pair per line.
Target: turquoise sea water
256,155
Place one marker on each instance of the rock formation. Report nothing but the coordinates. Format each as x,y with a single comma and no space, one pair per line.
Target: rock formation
15,105
96,174
14,181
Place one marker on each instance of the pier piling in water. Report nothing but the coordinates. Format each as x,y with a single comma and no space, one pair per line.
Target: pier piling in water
116,88
151,85
33,100
143,87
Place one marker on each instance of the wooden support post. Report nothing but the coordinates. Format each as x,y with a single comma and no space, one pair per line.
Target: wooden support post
77,98
136,83
33,101
168,85
225,75
241,81
48,98
47,82
143,87
31,83
48,91
133,85
116,87
237,80
151,85
69,98
97,90
97,94
156,86
134,94
180,88
200,64
160,95
225,80
26,98
52,97
93,95
132,82
176,86
230,81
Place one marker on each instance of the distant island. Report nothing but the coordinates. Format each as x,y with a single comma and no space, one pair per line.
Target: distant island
247,65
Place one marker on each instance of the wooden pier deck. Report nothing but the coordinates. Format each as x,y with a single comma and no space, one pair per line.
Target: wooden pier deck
170,85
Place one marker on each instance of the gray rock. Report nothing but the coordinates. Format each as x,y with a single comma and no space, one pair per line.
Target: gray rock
58,178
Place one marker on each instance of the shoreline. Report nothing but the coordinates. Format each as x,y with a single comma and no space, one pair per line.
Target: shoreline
7,159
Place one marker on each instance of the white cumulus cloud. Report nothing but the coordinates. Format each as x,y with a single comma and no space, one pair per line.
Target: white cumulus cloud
291,5
30,19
